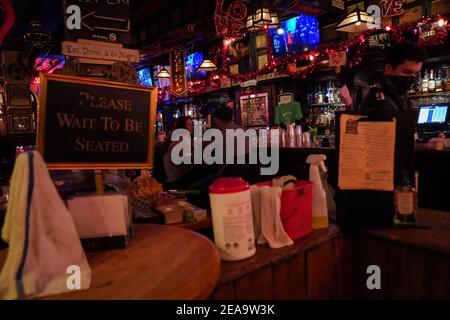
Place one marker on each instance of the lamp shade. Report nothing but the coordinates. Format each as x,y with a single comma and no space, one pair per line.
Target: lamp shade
356,21
163,74
207,65
262,16
251,25
274,20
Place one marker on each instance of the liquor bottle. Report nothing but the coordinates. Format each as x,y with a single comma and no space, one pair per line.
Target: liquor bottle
431,82
425,82
319,96
439,81
418,84
330,96
413,89
405,202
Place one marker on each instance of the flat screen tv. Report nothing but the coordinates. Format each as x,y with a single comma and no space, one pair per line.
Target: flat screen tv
145,77
295,34
193,61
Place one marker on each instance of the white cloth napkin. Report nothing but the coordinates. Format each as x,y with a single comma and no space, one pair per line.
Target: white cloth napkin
43,242
266,205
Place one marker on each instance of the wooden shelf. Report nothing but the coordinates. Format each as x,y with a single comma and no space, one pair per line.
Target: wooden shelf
429,95
337,104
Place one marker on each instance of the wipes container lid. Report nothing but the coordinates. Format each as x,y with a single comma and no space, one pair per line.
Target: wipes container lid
229,185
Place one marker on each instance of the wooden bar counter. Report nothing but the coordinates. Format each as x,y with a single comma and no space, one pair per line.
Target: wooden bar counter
160,262
309,269
164,262
414,263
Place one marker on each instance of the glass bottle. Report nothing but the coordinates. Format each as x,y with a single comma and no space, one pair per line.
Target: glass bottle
425,82
418,84
405,202
439,81
431,82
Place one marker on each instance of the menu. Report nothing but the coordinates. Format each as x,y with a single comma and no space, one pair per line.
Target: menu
366,153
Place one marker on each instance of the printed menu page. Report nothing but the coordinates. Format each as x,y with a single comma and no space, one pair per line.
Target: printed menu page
366,154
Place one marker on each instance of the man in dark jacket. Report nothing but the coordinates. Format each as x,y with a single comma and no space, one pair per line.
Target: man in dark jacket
388,98
402,65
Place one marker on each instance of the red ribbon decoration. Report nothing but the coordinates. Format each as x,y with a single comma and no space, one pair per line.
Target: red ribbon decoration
9,19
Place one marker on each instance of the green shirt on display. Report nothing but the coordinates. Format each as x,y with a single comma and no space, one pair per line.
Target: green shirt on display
288,113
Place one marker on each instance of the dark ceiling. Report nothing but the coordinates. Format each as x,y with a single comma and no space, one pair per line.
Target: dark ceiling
157,25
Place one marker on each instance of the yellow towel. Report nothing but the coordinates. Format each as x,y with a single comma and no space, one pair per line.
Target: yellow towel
43,242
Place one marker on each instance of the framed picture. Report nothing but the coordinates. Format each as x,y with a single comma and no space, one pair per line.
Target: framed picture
255,110
439,6
18,95
20,123
261,41
234,69
411,14
262,60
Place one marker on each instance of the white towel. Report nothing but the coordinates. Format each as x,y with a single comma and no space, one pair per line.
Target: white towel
43,241
266,205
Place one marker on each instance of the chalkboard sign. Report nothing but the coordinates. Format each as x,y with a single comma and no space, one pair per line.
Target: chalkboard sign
93,124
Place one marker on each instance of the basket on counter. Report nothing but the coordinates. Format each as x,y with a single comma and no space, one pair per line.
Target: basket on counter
296,208
143,208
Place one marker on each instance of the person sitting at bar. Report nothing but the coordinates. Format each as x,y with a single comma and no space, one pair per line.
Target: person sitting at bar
223,118
179,176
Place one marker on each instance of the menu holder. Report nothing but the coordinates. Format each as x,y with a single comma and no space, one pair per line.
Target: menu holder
373,150
366,153
102,221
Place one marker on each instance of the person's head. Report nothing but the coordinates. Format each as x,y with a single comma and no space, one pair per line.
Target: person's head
184,122
223,115
404,60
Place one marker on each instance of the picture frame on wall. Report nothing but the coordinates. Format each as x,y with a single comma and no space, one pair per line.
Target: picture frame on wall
19,96
255,110
261,41
262,60
20,123
411,14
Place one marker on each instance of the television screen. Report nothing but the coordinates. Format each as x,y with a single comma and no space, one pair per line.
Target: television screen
432,114
145,78
193,61
295,34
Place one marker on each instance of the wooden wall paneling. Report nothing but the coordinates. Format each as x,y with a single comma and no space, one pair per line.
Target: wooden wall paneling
370,252
437,276
320,273
224,292
407,276
255,286
342,260
290,279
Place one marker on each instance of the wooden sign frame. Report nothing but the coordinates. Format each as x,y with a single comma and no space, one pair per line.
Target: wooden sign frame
41,123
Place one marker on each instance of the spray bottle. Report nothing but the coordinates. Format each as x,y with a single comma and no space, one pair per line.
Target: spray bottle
319,202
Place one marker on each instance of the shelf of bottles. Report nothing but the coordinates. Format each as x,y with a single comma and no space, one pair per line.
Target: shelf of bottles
432,82
431,87
322,101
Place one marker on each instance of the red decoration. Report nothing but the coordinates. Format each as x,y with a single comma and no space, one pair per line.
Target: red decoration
355,48
230,19
392,8
9,19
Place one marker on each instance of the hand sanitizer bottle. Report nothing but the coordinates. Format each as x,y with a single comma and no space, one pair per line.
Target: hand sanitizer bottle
405,201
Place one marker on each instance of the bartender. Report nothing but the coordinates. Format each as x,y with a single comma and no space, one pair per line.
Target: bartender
402,65
388,99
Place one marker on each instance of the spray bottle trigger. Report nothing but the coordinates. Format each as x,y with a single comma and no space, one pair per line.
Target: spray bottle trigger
322,166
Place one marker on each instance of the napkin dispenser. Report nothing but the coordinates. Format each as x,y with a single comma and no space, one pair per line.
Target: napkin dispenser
102,221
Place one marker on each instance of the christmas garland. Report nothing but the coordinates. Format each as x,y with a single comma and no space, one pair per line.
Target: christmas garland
430,31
